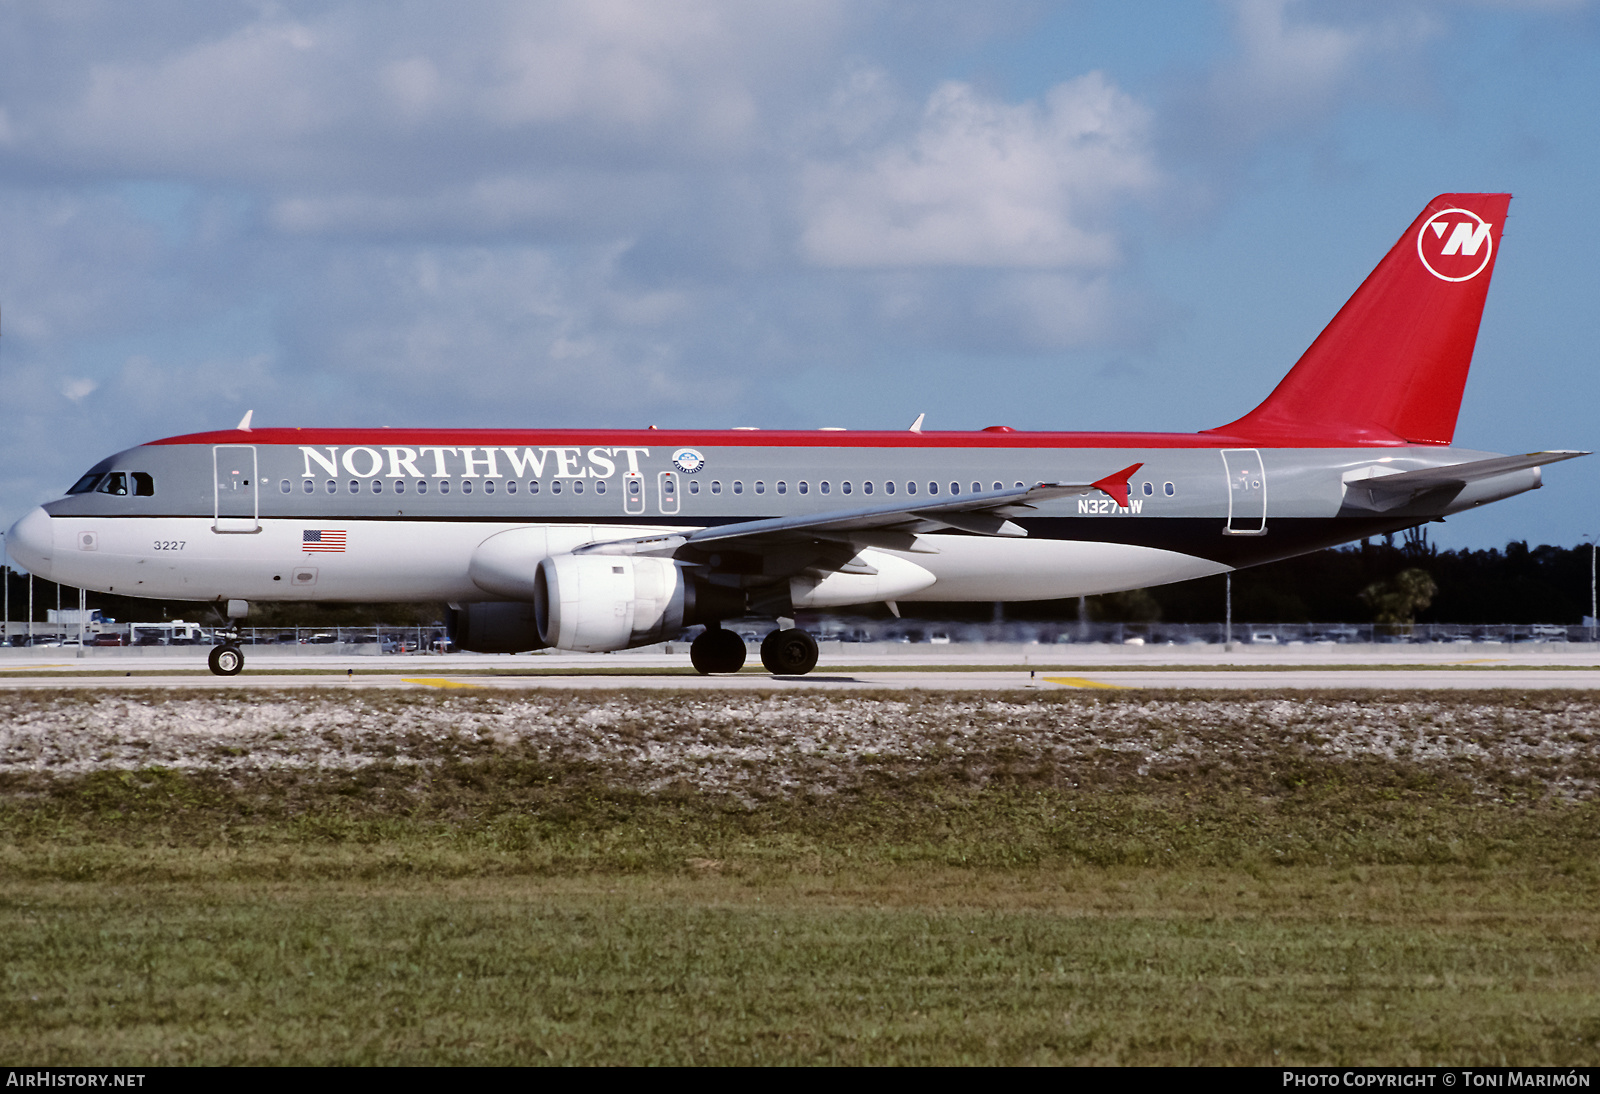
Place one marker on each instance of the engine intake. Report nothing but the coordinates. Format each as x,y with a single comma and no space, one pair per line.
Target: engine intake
595,603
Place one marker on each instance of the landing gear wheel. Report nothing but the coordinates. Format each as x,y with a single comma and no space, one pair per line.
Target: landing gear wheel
226,660
717,650
789,653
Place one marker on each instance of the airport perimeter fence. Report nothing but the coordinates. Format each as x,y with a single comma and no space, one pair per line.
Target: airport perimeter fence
434,639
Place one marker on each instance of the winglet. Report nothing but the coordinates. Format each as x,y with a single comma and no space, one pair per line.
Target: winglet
916,426
1116,486
244,423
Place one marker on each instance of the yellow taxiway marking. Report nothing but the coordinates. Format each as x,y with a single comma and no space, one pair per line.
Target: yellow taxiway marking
437,682
1081,682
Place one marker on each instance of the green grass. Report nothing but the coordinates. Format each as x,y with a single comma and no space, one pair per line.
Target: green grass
872,965
481,899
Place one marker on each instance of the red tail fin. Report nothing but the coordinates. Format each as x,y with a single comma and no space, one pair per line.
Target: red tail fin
1391,365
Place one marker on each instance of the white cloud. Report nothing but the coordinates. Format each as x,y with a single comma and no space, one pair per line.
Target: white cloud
1293,68
78,389
987,183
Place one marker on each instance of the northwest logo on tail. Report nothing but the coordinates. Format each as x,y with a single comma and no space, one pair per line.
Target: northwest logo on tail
1455,244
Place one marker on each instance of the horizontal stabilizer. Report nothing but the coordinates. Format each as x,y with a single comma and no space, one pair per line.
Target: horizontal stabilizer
1385,492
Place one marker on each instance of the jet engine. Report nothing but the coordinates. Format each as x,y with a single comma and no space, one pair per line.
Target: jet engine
595,603
494,628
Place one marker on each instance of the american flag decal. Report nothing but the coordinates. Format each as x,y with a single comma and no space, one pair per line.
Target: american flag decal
321,539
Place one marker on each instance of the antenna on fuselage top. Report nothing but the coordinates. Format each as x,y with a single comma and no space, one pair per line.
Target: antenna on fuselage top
244,423
916,426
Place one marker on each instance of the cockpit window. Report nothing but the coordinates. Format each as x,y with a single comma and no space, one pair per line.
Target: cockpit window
144,485
115,483
85,484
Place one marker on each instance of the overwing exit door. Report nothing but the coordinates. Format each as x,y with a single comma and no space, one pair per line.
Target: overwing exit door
1247,492
237,494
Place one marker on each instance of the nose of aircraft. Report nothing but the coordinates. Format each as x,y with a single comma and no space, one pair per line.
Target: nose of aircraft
31,542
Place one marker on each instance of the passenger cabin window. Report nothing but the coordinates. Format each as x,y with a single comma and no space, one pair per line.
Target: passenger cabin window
422,486
511,486
577,487
844,488
1169,490
444,486
555,486
355,487
309,487
999,486
284,487
888,488
716,486
866,488
977,488
399,486
911,488
738,486
694,487
825,487
533,486
377,486
761,487
488,486
805,487
600,487
466,486
783,487
1149,488
933,488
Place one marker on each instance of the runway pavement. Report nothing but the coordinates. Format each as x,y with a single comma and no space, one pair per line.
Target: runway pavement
861,668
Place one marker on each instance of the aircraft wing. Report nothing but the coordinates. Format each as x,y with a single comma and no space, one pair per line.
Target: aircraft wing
893,525
1383,492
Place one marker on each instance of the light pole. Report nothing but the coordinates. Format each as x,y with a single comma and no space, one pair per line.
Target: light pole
1227,614
1594,546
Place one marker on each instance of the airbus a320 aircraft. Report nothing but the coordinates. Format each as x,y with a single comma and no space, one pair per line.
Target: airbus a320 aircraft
607,539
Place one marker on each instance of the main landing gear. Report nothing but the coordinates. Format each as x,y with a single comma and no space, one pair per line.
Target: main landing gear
717,650
790,652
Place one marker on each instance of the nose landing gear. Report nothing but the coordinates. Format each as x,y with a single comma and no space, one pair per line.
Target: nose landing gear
228,659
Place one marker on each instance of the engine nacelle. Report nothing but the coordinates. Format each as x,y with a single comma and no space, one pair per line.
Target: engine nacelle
594,603
494,628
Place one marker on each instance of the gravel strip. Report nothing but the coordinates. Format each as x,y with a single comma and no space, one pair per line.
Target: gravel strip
780,744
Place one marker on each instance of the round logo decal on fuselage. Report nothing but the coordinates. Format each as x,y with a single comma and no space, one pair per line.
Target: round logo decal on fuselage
688,460
1455,244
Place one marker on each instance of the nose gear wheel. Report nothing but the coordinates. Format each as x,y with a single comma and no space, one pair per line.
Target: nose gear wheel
226,660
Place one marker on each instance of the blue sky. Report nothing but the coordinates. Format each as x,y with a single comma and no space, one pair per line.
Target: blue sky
729,212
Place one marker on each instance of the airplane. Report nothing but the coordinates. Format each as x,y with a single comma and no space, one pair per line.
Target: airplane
605,539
